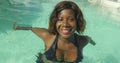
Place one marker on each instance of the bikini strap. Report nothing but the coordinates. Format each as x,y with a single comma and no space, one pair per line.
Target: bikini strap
50,54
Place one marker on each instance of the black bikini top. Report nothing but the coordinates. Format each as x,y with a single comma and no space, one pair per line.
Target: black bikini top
50,53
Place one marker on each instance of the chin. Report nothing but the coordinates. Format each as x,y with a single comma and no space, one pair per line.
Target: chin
66,36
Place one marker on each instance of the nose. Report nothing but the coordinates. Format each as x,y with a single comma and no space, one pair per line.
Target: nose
65,23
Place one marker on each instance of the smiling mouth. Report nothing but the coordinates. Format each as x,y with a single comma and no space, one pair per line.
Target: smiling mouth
66,31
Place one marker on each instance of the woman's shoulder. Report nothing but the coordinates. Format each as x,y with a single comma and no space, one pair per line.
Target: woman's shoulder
81,39
84,40
42,33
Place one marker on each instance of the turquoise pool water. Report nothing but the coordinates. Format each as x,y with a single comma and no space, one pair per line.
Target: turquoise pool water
22,46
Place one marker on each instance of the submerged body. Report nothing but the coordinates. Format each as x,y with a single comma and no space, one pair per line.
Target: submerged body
60,52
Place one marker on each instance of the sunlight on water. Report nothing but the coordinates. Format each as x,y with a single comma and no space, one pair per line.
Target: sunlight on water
22,46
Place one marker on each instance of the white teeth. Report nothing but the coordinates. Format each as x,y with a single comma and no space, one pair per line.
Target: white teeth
65,31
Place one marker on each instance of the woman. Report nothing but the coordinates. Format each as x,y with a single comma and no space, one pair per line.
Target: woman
63,39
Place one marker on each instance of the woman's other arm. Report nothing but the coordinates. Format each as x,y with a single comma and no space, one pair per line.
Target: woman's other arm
15,27
40,32
91,41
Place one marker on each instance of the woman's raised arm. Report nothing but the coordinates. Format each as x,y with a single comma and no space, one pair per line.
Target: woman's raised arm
15,27
40,32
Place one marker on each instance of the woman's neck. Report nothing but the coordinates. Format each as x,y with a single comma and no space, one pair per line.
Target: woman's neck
69,39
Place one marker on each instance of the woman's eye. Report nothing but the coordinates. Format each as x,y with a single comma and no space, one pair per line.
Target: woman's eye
60,19
71,19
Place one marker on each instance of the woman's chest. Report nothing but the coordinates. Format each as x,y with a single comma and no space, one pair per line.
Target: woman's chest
66,52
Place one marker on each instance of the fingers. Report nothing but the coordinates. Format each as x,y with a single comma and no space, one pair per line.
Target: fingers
93,43
14,26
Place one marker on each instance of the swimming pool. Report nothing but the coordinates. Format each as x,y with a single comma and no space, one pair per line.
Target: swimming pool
22,46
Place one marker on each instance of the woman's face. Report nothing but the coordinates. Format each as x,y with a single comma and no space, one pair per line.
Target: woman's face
66,23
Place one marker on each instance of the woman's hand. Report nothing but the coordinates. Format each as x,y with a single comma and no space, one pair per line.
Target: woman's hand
14,26
91,41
